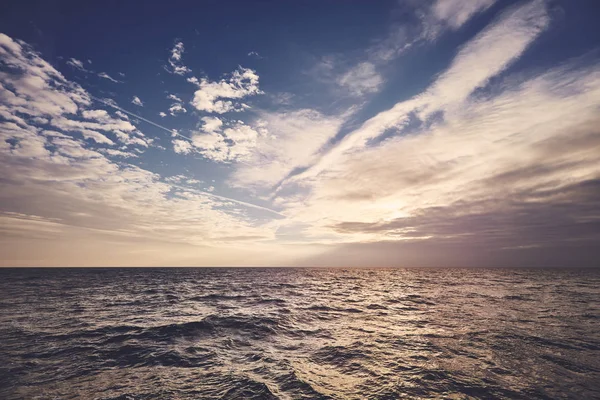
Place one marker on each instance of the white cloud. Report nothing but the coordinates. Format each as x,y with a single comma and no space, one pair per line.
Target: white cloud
101,120
39,90
219,96
133,138
530,141
244,139
175,98
121,114
485,56
361,79
59,189
181,146
106,76
43,94
176,108
456,12
118,153
429,20
75,63
211,124
176,66
136,100
235,143
177,51
289,140
96,136
162,114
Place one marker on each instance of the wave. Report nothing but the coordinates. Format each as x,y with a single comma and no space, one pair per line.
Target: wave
299,334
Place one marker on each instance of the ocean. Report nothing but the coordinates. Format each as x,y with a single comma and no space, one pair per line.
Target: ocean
235,333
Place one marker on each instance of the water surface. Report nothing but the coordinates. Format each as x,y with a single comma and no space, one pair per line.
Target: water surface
299,333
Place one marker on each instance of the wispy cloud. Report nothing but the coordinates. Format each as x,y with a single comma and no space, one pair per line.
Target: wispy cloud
455,13
77,64
430,20
488,54
290,140
175,60
136,100
106,76
119,153
503,169
361,79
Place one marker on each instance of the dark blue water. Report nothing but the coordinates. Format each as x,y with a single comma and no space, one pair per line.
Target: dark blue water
299,334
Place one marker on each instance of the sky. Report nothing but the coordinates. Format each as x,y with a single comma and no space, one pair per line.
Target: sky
435,133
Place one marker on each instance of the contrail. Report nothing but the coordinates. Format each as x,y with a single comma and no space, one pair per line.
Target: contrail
171,131
243,203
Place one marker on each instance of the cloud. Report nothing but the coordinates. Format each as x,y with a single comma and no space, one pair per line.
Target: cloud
466,159
430,20
361,79
556,228
181,146
455,13
211,124
484,161
484,57
289,140
182,179
234,143
75,63
121,114
176,108
422,23
42,94
111,103
507,165
101,120
106,76
136,100
59,188
218,96
38,90
255,55
119,153
96,136
175,65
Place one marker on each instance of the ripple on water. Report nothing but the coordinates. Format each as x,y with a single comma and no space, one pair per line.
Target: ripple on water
299,334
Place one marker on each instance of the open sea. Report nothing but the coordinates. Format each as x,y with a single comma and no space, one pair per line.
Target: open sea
195,333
